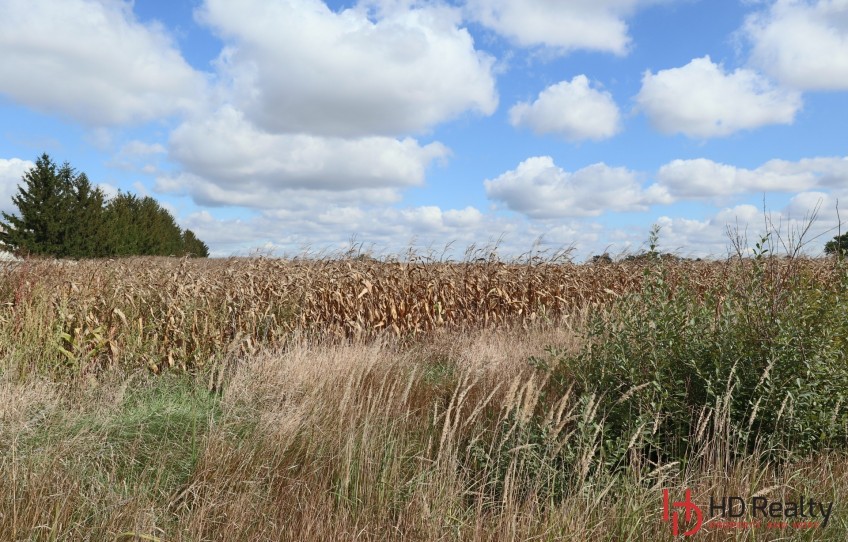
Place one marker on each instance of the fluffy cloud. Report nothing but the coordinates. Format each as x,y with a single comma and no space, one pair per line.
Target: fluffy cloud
705,179
573,110
824,208
805,203
540,189
93,62
11,172
702,100
714,236
229,160
802,44
597,25
709,237
426,229
322,226
140,148
296,66
139,156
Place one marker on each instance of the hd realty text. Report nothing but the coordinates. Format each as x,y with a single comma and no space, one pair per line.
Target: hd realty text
735,507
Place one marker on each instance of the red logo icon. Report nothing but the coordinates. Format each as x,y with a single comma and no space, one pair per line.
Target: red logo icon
670,513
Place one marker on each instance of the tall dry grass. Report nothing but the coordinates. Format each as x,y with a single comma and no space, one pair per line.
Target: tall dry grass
162,400
351,442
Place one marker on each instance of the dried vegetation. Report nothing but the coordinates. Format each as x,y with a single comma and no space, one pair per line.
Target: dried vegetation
162,313
350,399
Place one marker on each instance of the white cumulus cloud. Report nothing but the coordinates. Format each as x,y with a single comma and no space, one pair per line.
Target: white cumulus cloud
709,237
702,100
229,160
296,66
598,25
572,109
791,226
323,225
705,179
11,172
92,61
538,188
801,43
140,148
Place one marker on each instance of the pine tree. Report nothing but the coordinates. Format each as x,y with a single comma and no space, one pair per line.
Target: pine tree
40,224
194,247
85,235
124,233
140,226
161,235
61,214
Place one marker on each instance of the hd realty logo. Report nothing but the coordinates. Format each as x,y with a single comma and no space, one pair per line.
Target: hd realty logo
735,512
690,511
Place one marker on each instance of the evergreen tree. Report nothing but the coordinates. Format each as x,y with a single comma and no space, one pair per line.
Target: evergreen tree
61,214
161,235
124,232
140,226
42,201
86,230
194,247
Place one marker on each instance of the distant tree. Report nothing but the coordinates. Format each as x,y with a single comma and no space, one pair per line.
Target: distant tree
194,247
140,226
40,226
159,231
839,245
124,234
85,229
61,214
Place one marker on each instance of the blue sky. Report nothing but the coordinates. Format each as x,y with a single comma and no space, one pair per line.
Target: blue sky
280,125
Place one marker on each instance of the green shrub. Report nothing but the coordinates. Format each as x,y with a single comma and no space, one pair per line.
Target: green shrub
757,363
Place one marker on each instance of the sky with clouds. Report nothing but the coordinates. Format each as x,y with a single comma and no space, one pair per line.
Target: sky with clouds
278,126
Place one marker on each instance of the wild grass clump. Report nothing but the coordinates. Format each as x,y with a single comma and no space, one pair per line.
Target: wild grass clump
755,362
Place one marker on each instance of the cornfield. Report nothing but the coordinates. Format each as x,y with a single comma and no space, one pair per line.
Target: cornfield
161,313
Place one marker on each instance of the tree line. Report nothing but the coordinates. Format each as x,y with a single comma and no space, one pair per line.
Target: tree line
61,214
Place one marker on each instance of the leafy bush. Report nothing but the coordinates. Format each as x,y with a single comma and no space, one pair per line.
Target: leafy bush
758,363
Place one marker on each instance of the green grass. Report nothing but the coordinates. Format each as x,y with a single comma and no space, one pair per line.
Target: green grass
156,437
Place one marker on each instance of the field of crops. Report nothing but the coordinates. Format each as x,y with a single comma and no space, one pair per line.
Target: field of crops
163,312
351,399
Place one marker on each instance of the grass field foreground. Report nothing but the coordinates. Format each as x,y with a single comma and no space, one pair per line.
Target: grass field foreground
149,403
